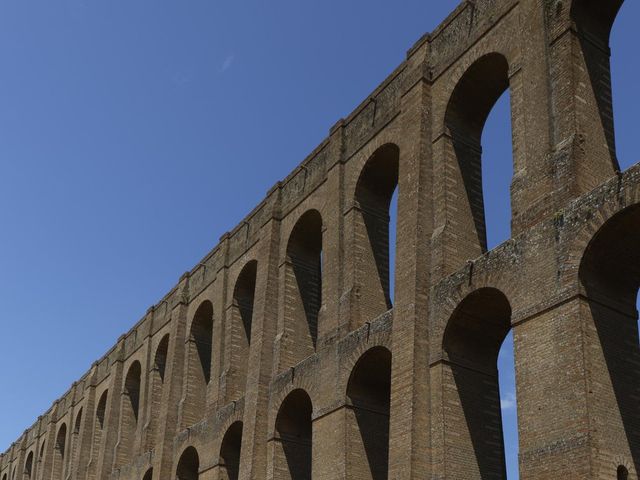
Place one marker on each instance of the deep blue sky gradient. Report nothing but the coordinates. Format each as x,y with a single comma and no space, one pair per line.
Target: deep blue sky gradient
134,133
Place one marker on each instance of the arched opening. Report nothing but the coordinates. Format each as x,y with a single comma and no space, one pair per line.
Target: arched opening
41,455
592,21
58,453
622,473
189,465
610,279
75,438
369,399
28,466
101,410
160,359
76,427
198,371
472,101
98,432
376,194
230,452
293,440
148,475
303,288
471,344
132,390
156,382
239,332
130,410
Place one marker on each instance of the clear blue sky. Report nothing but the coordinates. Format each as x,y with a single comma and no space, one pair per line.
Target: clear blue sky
134,133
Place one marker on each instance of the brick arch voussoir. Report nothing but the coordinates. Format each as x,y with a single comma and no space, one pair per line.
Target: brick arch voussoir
220,430
481,49
391,135
305,384
381,339
491,280
586,233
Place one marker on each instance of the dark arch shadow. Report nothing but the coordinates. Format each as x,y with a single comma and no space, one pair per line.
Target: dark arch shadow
472,341
610,276
230,451
294,431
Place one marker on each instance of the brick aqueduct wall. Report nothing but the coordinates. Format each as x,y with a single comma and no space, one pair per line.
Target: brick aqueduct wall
280,355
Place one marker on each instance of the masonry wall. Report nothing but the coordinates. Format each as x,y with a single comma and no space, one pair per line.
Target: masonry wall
282,354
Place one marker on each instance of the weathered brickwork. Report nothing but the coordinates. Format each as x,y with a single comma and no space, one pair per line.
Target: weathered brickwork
282,354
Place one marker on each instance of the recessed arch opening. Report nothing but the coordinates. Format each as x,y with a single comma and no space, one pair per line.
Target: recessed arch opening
148,475
294,436
622,473
592,22
472,341
198,369
230,452
471,102
101,409
610,279
28,466
189,465
132,389
160,358
59,452
303,288
376,198
239,331
369,399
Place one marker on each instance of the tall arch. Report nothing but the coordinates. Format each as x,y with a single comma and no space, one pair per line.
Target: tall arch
148,475
129,413
229,461
471,342
239,330
303,289
374,191
472,100
98,433
156,382
198,371
59,453
610,279
293,441
189,465
369,399
75,437
592,21
28,466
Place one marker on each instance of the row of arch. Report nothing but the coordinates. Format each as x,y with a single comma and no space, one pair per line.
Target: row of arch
368,403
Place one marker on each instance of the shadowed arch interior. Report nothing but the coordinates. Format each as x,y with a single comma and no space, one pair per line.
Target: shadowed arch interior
369,398
374,191
469,106
230,451
101,409
294,433
76,428
610,278
304,285
471,343
28,465
244,296
132,389
238,331
189,465
160,359
148,475
202,337
592,21
59,453
130,409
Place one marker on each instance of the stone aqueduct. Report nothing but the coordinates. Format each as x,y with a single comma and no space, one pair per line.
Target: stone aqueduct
281,356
